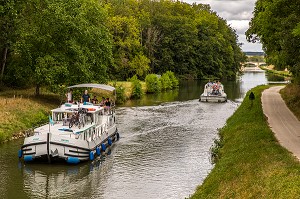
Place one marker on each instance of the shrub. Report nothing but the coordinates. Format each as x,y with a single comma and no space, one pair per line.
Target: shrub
120,91
152,83
166,83
173,79
137,91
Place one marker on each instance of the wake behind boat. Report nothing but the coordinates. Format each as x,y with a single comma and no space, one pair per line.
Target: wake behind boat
75,132
213,92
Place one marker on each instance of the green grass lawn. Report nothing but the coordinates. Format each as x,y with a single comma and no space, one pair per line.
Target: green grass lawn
251,162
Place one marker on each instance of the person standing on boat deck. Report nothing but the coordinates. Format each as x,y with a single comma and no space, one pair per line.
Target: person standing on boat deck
69,96
86,97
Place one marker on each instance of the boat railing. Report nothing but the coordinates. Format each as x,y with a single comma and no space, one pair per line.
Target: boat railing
30,132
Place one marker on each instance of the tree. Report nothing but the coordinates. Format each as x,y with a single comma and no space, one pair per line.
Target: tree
275,25
63,42
8,15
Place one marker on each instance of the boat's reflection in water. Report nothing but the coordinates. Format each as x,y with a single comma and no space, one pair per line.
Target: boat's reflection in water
66,181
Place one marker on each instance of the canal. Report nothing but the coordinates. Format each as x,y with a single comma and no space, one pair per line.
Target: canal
163,151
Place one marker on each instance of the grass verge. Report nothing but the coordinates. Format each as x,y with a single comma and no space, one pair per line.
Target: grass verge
251,162
21,110
277,72
291,96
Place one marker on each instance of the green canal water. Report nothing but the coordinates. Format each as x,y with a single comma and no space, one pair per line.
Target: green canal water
163,151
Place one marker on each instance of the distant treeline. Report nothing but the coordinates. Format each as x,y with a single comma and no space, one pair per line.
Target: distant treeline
254,53
61,42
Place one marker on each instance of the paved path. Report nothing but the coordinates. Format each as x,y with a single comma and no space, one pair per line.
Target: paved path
281,120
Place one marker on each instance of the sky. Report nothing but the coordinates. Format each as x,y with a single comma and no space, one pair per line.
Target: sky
238,14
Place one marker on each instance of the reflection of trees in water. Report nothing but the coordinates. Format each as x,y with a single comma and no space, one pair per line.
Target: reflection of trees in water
192,89
233,89
71,181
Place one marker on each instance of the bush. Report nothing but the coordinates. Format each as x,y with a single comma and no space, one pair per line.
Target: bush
120,91
153,84
166,83
173,79
137,91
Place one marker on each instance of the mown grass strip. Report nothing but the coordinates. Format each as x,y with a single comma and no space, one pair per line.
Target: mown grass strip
277,72
291,96
252,163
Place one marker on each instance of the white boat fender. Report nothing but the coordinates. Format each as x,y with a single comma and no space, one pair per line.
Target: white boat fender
109,141
103,147
92,156
20,153
98,151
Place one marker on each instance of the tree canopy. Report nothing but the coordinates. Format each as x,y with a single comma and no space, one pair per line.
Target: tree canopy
276,24
61,42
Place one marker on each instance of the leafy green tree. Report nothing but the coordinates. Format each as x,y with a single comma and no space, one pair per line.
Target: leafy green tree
9,10
139,65
128,56
63,42
275,25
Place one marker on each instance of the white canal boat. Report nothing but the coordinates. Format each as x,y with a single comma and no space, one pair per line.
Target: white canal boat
75,132
213,92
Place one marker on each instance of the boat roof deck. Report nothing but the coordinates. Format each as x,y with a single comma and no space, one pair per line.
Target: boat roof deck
69,108
59,128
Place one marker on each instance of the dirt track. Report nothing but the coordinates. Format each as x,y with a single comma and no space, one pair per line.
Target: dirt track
281,120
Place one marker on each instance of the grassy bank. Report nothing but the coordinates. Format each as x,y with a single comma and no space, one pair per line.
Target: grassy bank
21,110
252,164
276,72
291,96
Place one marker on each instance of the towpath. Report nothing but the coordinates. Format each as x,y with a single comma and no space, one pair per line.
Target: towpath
282,121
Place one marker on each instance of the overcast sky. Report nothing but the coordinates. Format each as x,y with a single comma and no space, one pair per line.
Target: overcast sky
237,13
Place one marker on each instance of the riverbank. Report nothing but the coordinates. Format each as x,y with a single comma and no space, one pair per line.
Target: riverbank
291,96
21,110
270,69
251,162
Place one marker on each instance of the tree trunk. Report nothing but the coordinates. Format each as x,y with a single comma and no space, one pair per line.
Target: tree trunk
3,63
37,90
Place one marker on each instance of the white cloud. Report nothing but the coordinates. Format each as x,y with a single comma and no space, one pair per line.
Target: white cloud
237,13
241,26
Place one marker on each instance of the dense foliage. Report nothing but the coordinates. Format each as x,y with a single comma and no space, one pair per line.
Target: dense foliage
173,79
153,83
276,24
61,42
137,91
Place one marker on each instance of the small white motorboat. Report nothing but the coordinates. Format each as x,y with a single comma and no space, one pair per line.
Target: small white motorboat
75,132
213,92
